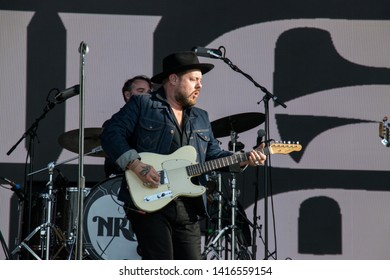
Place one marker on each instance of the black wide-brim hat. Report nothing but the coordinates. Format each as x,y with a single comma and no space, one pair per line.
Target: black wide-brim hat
180,62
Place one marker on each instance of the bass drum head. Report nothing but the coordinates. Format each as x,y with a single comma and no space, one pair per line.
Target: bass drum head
108,234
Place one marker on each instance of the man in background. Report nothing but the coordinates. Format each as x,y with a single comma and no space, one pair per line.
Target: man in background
140,84
136,85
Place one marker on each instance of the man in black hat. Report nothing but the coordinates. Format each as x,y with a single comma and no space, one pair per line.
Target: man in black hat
161,123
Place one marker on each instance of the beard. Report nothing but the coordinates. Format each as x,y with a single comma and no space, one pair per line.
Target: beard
184,100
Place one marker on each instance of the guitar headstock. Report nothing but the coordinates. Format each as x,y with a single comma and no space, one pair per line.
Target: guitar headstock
384,131
284,147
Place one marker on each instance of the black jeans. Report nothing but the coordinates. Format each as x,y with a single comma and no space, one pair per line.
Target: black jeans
172,233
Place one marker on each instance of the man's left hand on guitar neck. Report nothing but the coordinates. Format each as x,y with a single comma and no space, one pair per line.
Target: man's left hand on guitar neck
256,157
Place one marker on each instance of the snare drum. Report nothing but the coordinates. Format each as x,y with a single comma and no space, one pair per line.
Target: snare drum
108,234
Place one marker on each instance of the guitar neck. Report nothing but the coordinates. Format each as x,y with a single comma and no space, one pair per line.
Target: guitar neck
200,168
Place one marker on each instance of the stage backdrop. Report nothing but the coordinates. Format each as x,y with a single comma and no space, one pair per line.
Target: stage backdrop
328,62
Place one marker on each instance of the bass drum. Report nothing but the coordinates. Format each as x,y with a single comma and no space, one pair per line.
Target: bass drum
108,234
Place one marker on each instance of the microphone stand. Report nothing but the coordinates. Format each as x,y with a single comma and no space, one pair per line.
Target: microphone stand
265,99
233,136
32,132
83,50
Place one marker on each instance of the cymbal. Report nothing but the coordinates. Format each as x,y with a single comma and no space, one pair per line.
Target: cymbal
70,141
237,123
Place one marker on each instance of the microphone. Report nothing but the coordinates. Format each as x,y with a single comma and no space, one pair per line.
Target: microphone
67,93
260,134
15,188
83,48
210,53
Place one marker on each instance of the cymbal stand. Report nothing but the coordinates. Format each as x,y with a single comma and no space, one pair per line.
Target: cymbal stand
214,248
232,227
45,228
49,211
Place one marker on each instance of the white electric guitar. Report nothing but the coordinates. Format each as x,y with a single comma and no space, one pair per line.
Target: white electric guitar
176,171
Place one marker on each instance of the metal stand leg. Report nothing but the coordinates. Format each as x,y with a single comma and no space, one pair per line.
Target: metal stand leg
49,210
228,240
44,229
217,250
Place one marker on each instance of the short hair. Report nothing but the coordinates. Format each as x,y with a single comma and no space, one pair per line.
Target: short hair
129,83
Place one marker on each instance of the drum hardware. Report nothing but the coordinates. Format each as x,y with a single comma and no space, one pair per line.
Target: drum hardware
32,133
45,229
229,232
219,244
215,195
231,126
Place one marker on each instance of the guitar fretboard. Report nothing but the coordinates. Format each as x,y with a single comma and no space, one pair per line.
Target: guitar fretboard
200,168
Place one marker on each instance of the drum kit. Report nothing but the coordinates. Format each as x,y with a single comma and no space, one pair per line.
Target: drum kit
54,213
107,234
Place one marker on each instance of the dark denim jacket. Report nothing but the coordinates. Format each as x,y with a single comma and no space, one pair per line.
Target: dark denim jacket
145,124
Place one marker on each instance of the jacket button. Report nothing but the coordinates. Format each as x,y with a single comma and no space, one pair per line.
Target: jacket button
172,132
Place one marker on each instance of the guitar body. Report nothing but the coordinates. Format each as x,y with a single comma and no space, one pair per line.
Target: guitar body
176,171
175,180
